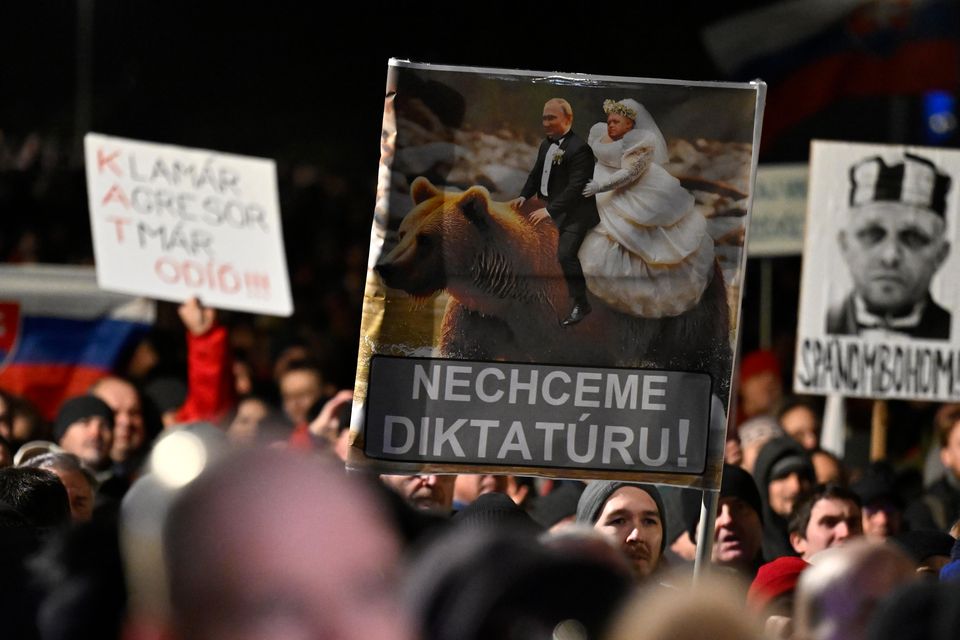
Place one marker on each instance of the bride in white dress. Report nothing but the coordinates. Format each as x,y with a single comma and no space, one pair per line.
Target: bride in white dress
650,255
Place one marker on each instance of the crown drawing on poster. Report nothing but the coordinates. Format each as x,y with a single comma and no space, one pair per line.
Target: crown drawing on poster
909,179
612,106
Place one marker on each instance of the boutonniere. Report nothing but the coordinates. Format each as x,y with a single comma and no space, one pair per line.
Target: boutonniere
558,158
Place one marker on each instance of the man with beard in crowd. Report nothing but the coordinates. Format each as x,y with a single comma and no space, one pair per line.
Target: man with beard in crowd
631,515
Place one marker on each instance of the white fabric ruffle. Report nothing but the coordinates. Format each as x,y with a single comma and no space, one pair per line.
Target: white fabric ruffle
650,255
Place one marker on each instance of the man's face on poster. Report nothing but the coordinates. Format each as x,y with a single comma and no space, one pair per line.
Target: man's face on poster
893,250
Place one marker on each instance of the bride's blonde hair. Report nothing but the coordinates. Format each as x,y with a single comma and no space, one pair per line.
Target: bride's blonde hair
622,107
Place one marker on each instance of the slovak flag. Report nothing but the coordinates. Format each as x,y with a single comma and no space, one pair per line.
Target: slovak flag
59,332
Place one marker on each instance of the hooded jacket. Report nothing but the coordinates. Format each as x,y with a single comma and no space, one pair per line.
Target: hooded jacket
776,540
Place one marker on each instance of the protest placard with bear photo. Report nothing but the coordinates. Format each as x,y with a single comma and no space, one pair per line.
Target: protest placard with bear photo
555,274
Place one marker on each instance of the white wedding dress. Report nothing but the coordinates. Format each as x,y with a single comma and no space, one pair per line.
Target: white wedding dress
650,255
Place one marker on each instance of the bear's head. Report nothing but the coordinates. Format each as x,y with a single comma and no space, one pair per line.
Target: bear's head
466,243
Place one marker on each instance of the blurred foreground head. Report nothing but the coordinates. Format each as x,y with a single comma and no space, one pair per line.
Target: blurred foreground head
838,595
478,583
710,609
275,545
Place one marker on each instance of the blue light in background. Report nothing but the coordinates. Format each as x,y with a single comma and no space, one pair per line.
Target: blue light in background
939,117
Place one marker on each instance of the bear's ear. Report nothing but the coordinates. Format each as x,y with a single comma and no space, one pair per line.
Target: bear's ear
473,204
422,189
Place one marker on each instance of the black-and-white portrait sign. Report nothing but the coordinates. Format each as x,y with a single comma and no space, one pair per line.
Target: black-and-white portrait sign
877,297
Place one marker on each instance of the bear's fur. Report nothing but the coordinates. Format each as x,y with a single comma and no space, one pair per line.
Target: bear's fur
507,294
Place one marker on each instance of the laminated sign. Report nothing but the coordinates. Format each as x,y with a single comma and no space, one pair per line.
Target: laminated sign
879,273
555,275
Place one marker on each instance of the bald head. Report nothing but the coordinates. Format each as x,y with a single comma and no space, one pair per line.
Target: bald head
129,431
271,542
851,578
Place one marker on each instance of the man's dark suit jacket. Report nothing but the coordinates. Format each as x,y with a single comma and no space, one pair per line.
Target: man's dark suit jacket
934,323
565,202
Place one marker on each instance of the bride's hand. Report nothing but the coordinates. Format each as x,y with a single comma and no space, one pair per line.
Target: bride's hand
592,189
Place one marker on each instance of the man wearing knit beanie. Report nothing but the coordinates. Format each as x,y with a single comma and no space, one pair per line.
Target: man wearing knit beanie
738,529
84,427
632,515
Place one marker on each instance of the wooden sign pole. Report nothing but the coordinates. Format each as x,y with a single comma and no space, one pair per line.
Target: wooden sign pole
878,430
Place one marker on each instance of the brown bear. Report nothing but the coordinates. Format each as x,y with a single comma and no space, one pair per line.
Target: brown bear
507,294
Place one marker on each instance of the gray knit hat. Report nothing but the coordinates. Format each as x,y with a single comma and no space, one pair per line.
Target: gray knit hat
599,491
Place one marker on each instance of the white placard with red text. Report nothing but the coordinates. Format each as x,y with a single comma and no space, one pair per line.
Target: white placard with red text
171,222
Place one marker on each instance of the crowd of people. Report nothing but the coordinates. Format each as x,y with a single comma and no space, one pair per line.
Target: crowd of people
211,500
201,508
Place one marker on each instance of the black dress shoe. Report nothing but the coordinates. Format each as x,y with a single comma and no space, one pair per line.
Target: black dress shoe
578,313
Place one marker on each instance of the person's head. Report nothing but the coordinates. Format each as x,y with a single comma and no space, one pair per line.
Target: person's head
496,511
948,435
79,481
28,424
84,427
581,539
301,386
838,594
129,431
480,584
922,609
930,550
167,394
427,492
469,486
256,422
761,384
6,415
738,529
6,452
754,434
37,494
711,608
894,239
881,505
828,468
558,509
557,117
248,557
631,515
784,473
621,116
800,419
772,590
828,517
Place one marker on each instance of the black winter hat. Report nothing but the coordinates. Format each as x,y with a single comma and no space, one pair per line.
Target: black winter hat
80,408
878,484
923,543
736,483
497,511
